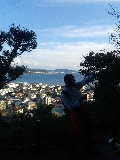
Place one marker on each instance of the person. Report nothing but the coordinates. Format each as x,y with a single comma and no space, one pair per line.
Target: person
79,113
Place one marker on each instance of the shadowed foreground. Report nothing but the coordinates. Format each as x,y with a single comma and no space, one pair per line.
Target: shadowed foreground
101,152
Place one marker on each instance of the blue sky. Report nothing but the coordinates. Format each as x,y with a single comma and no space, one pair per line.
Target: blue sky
66,30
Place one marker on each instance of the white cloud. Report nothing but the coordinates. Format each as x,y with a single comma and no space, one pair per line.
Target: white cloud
79,1
67,55
76,32
45,44
16,61
36,63
53,65
26,62
49,3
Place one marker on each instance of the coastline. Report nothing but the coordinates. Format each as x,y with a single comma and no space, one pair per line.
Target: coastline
49,79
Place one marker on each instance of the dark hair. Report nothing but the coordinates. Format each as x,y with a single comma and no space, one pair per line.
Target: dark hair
68,78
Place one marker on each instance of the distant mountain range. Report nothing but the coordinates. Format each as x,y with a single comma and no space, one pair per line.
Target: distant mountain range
31,71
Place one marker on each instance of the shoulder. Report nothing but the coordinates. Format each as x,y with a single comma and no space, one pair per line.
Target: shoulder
65,93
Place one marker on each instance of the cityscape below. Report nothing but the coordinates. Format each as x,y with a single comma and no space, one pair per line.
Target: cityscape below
34,87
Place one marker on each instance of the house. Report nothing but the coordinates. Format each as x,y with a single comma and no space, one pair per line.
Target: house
18,109
58,87
3,104
31,105
48,100
12,85
4,112
42,95
18,103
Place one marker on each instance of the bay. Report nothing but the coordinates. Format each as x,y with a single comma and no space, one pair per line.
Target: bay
49,79
58,111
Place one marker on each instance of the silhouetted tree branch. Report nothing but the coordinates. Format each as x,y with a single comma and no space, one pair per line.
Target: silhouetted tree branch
12,44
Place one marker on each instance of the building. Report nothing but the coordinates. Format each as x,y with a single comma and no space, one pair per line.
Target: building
3,104
48,100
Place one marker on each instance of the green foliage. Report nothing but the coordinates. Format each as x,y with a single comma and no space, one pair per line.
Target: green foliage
43,129
22,129
12,44
5,131
107,85
51,128
105,66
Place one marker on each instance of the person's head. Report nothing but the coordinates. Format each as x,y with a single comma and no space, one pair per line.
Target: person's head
69,80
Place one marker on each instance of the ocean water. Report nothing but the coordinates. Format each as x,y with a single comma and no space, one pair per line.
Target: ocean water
58,111
49,79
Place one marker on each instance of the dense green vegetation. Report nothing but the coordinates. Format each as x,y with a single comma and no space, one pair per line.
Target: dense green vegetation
43,129
105,66
12,44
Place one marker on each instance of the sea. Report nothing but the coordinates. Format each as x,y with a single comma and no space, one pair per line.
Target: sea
49,79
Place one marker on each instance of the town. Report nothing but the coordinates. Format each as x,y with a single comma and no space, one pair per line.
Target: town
17,97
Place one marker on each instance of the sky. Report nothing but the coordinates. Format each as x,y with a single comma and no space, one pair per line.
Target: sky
67,30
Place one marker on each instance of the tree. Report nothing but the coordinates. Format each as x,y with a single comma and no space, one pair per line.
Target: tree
107,84
12,44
